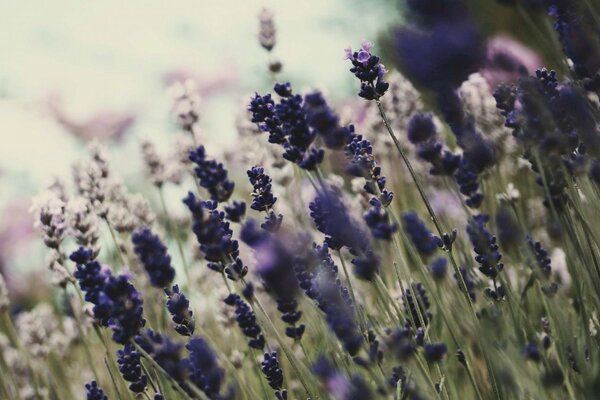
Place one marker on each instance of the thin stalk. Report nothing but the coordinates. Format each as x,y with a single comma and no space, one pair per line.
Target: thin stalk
173,232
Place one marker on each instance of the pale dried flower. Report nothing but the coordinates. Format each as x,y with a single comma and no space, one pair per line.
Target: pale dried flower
49,218
267,33
83,223
186,104
155,166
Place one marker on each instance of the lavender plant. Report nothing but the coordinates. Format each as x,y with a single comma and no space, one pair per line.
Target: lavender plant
433,304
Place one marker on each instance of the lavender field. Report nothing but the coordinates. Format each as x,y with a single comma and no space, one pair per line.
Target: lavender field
347,200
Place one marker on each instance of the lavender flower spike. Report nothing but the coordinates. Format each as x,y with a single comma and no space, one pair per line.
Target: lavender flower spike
153,255
368,69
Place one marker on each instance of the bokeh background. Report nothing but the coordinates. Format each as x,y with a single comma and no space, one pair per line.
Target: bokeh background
72,71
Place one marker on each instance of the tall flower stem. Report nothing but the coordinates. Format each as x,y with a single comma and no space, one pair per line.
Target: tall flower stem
438,228
173,231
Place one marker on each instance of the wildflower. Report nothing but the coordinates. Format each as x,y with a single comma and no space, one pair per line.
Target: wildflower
267,33
262,195
214,236
212,175
94,392
484,245
468,183
179,308
338,385
332,219
204,369
323,120
122,304
131,369
339,314
83,223
153,255
362,164
424,241
509,231
186,104
434,352
416,304
541,256
274,374
401,378
236,211
401,343
532,352
246,320
367,68
155,166
438,268
377,220
165,352
49,212
286,123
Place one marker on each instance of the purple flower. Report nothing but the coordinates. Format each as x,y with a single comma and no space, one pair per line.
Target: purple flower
274,374
424,241
246,320
94,392
179,308
367,68
205,371
131,369
153,255
211,175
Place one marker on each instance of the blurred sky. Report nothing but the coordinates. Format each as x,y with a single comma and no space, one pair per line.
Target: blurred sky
111,56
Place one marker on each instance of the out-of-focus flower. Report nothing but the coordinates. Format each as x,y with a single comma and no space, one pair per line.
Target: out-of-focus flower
368,69
94,392
155,166
267,32
103,125
49,214
83,223
508,60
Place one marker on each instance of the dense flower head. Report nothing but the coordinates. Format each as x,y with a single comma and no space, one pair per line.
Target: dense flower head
290,314
212,232
378,220
205,371
339,314
484,244
416,305
332,218
325,122
272,371
424,241
165,352
359,152
287,125
94,392
131,368
123,306
338,385
541,256
369,70
532,352
179,308
212,175
246,320
442,56
89,273
117,304
467,178
421,128
236,211
439,268
262,194
434,352
578,35
153,255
